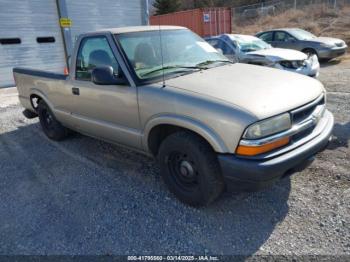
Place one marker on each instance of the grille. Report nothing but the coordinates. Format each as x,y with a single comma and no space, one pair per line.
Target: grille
301,114
302,134
306,111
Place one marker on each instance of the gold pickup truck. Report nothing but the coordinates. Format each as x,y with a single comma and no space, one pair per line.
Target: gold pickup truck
165,92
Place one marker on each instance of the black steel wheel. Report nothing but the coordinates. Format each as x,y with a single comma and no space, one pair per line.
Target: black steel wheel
51,127
183,170
190,169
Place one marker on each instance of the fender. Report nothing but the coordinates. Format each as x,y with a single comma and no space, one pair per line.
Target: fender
59,114
188,123
35,91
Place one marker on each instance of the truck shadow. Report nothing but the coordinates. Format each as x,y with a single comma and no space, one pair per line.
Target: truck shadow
84,196
341,136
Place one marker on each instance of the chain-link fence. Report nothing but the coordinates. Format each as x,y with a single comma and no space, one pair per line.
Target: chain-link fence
248,13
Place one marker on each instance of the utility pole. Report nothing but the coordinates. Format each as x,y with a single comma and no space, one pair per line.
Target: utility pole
146,13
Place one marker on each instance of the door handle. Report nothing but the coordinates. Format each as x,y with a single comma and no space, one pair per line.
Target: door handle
75,91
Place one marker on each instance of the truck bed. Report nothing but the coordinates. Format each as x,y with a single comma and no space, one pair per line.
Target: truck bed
36,82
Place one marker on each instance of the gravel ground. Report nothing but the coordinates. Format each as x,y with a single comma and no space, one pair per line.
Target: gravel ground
83,196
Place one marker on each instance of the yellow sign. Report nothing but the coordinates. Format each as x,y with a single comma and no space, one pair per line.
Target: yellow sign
65,22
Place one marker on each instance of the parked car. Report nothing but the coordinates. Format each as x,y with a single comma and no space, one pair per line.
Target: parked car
209,122
325,48
252,50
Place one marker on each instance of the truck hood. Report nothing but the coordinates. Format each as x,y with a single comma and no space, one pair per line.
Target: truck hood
261,91
278,54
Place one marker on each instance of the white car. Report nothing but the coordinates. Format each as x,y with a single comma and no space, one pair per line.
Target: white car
252,50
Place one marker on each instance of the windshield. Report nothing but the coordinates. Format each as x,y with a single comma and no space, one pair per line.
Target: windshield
251,44
182,51
302,34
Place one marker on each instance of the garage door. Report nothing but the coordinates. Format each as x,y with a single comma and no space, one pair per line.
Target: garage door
30,36
92,15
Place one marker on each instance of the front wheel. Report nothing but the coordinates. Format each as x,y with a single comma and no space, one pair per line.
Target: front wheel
190,169
325,60
51,127
310,52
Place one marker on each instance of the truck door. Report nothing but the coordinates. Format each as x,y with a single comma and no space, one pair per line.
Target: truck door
109,112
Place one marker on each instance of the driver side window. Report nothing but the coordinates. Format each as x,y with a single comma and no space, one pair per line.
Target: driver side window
94,52
283,37
267,37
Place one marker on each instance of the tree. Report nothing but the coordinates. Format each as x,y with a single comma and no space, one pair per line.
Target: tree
166,6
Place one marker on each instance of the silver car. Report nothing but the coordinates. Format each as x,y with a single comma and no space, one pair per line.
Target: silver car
325,48
252,50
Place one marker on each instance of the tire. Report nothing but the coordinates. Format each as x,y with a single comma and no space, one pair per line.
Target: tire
190,169
325,60
51,127
310,51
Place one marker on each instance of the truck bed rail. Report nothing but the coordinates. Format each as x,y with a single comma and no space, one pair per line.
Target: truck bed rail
40,73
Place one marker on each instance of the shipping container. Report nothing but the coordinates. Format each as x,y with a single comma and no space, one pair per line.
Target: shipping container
204,21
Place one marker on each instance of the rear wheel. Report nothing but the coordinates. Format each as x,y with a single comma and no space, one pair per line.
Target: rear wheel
51,127
190,169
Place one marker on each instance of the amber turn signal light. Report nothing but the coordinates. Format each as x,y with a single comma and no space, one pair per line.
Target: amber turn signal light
257,150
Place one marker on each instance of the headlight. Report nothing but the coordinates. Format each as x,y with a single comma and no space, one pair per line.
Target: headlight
293,64
255,139
268,127
326,45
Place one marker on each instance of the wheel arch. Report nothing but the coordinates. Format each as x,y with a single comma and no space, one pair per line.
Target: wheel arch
309,48
37,94
157,129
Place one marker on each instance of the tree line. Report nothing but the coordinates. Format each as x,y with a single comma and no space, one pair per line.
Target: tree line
170,6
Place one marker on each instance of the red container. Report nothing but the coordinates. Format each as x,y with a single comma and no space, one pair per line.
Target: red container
204,21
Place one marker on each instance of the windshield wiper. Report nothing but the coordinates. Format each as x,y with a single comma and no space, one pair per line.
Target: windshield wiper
170,67
208,62
200,66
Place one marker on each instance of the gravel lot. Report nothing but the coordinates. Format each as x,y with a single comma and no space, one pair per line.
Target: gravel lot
83,196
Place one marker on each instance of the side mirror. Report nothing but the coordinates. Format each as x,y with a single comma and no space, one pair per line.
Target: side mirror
104,75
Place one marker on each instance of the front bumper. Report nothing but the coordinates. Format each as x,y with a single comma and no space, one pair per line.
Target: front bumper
329,53
255,173
311,68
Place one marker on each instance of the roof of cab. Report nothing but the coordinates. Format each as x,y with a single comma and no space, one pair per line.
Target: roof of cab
134,29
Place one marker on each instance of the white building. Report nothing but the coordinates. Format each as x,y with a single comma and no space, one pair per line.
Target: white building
40,34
